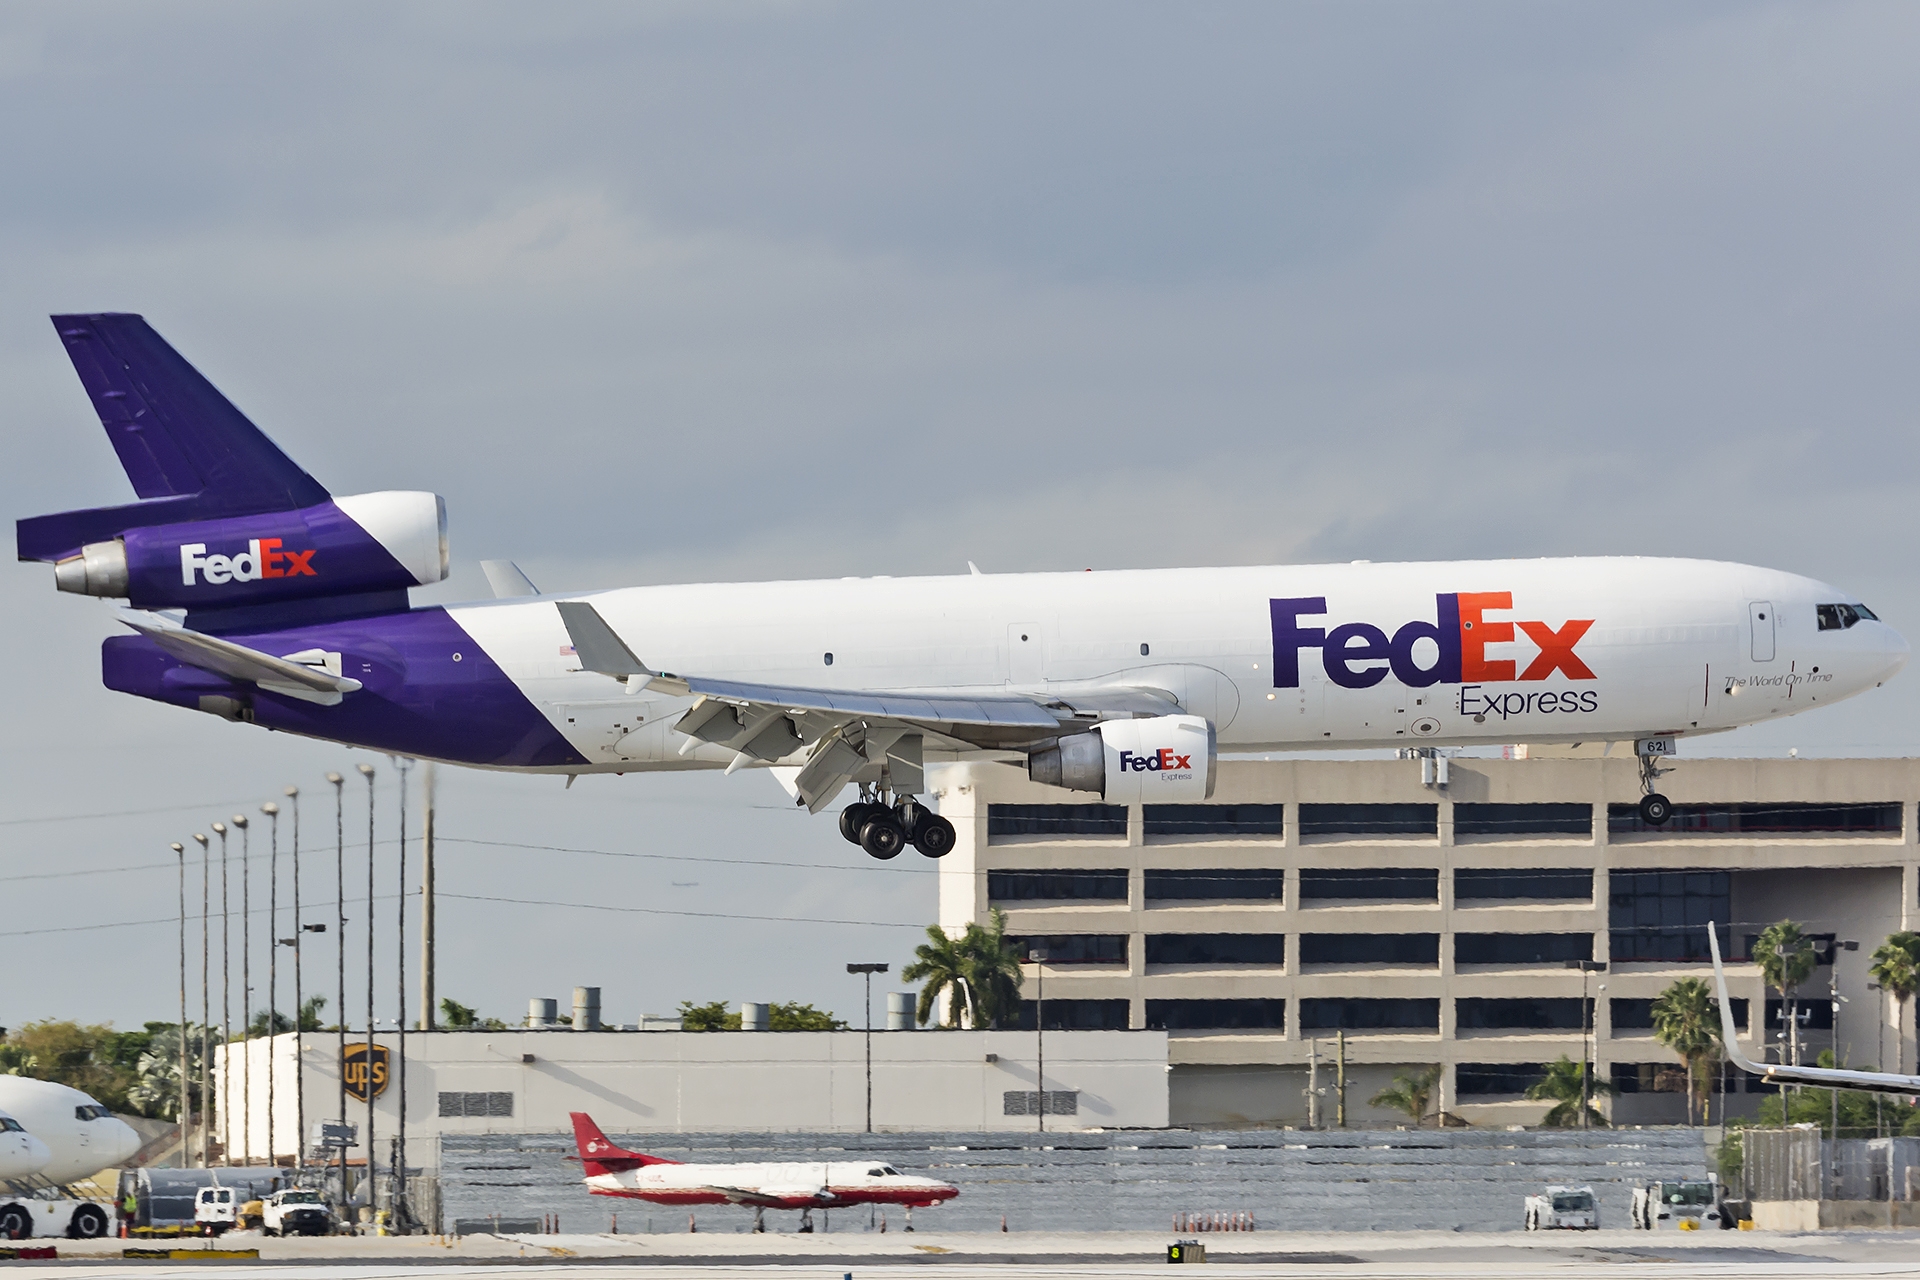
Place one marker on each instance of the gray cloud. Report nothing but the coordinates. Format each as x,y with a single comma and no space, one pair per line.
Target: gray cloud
1009,284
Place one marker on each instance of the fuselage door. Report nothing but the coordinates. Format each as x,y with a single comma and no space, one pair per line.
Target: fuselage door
1760,612
1026,654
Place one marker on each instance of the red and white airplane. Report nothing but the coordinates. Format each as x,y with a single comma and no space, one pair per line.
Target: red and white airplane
806,1186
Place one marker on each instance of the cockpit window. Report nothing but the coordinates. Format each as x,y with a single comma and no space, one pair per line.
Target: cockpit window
1838,617
876,1173
95,1112
9,1125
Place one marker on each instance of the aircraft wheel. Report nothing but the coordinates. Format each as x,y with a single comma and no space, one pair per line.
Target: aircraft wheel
854,817
89,1222
16,1223
882,837
935,836
1655,809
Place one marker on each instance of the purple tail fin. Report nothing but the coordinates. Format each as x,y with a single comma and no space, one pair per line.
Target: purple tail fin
190,454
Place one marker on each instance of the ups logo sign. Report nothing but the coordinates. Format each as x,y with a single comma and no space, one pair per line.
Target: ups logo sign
364,1069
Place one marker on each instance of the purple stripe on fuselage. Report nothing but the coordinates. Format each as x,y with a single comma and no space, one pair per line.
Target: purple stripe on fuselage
429,690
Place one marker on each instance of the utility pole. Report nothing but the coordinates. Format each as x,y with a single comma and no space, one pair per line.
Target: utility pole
1587,968
401,1211
426,901
300,929
1039,957
1313,1084
272,811
1340,1076
867,971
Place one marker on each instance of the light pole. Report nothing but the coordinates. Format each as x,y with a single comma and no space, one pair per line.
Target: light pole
272,811
180,855
400,1207
868,970
1833,994
340,961
299,1031
206,1050
226,1007
1038,956
1586,967
366,771
246,989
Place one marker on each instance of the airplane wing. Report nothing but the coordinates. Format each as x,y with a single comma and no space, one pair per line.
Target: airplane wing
289,675
1828,1077
767,722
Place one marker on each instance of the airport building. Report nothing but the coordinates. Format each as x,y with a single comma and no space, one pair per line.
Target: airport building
1392,915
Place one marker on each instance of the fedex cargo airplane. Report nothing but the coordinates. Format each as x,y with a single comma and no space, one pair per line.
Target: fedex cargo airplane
257,595
805,1185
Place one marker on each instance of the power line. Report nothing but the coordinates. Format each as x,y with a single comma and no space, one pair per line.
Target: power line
662,911
869,865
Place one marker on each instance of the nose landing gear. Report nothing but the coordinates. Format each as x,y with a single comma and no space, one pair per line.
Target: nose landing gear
883,830
1655,808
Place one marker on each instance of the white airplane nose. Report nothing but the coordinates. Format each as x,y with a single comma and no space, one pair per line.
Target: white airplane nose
116,1136
1894,651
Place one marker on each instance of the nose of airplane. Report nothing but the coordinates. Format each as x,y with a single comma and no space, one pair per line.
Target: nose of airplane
25,1154
117,1137
1893,651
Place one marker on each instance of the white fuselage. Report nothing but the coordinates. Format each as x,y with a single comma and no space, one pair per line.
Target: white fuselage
798,1185
80,1138
1551,650
21,1154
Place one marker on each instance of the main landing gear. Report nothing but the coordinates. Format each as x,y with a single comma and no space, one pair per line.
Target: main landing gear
883,830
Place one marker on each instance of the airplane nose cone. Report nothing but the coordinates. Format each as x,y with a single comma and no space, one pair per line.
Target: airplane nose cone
27,1154
119,1137
1894,652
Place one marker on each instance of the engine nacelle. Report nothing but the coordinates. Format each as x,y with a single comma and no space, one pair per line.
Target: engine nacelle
1158,760
360,543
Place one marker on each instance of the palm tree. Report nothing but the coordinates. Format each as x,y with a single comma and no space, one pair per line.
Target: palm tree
945,965
1563,1086
1895,965
1411,1092
1686,1019
993,971
1785,956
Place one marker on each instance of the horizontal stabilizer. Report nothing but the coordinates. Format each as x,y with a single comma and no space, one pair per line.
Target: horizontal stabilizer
295,679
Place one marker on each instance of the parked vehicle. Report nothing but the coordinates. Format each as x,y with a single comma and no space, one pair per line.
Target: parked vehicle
296,1212
1563,1209
24,1217
1672,1203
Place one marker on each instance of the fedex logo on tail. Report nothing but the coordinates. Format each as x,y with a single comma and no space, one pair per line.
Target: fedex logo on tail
1359,655
263,558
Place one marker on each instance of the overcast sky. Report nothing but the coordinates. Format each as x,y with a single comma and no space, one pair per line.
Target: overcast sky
673,292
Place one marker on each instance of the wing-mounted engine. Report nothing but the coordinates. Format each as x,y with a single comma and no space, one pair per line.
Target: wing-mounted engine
1155,759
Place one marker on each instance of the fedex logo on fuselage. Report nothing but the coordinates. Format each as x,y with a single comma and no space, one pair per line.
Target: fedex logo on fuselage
1155,762
263,558
1359,655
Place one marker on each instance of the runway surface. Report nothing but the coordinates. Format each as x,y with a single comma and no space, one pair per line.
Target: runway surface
868,1256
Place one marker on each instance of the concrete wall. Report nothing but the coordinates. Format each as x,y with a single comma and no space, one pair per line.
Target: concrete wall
721,1081
1378,1180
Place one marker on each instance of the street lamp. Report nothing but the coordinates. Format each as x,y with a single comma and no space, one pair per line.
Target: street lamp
366,771
1586,967
1038,955
180,855
206,1050
226,1007
1833,994
402,1211
340,963
272,811
299,1032
868,970
246,989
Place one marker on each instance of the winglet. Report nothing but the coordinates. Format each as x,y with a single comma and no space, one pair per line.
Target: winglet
599,1156
1779,1073
1729,1037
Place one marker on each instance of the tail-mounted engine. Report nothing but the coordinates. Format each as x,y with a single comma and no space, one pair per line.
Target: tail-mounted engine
1160,759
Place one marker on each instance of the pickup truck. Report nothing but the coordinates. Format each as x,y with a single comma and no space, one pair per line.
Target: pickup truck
1563,1209
296,1212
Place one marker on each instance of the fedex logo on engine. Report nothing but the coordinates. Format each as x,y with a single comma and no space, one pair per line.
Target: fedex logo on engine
1359,655
1163,759
263,558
